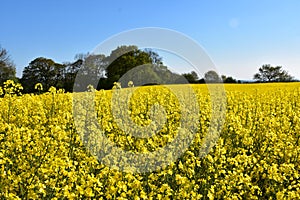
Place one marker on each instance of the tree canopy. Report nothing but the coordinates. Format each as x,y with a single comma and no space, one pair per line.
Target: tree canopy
7,67
228,79
268,73
44,71
212,77
140,66
191,77
125,58
124,64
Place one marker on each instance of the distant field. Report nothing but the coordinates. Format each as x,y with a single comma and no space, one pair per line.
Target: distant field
44,151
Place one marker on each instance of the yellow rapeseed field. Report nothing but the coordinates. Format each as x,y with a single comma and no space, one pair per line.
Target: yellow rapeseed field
44,154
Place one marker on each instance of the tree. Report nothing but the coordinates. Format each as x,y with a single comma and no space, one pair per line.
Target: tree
268,73
91,72
228,79
71,70
7,67
223,77
44,71
191,77
125,58
212,77
141,75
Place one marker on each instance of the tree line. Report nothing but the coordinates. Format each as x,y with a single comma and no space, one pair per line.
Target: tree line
105,70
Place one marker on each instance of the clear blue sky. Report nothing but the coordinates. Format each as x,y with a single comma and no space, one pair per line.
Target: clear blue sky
239,36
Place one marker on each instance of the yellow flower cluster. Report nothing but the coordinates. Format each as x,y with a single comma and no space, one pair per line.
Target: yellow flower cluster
38,87
44,155
11,88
